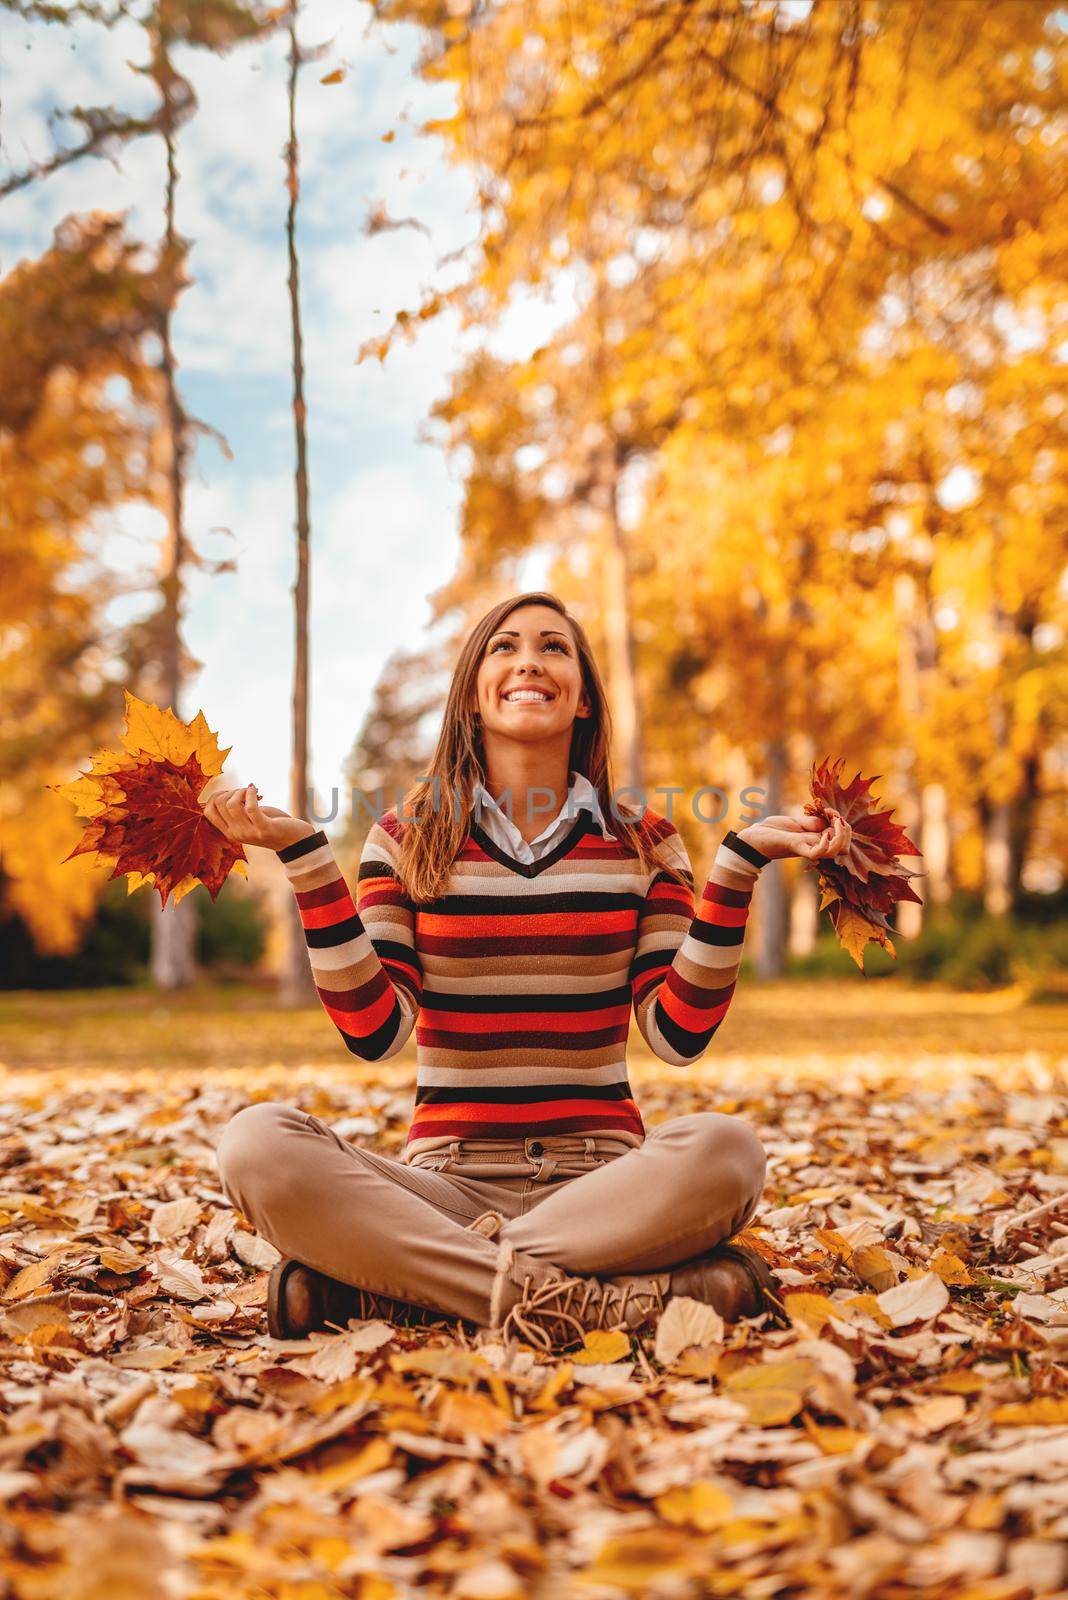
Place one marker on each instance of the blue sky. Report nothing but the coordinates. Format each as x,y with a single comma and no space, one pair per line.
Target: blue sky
384,506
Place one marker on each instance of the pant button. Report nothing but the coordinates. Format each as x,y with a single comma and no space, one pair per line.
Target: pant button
536,1148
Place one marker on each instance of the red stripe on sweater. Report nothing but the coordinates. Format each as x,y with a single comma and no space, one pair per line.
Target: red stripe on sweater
358,1024
695,1019
328,916
507,1130
478,1111
519,1021
722,916
545,924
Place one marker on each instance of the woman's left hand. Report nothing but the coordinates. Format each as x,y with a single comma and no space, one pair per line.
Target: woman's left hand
799,836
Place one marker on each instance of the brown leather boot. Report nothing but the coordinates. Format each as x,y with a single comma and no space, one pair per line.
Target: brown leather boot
733,1279
301,1300
551,1309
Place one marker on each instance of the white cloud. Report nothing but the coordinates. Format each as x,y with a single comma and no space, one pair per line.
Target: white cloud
384,506
388,539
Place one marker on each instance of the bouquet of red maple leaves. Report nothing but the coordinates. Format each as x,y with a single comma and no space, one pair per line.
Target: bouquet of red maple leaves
144,818
861,886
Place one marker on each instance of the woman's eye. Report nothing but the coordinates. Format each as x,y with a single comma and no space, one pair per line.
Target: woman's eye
550,644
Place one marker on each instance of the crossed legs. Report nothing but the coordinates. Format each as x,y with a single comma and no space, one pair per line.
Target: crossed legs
370,1220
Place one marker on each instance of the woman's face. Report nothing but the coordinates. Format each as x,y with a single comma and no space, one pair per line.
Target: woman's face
534,649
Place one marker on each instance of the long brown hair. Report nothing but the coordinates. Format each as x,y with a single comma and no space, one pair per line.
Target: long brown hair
439,808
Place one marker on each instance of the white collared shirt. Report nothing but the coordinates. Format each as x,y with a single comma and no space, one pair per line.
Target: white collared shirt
507,837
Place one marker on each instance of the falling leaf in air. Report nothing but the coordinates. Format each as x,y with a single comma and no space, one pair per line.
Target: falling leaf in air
143,810
337,76
860,887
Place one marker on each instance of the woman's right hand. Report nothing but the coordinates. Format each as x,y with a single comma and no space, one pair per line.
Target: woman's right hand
238,815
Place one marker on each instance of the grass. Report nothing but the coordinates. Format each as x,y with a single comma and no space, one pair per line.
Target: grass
240,1027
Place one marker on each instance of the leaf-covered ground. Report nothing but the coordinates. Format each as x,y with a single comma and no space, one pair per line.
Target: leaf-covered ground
908,1435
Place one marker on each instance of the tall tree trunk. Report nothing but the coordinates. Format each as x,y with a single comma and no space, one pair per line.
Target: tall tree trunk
924,813
1023,819
1025,804
998,882
607,466
772,901
803,893
173,931
298,984
935,843
997,860
925,818
908,915
996,817
997,825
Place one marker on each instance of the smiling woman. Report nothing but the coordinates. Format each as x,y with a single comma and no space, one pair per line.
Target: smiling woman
518,960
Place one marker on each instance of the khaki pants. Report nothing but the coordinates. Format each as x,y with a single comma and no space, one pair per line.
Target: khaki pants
592,1205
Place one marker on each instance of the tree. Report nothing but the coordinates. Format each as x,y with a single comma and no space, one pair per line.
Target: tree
297,982
395,741
208,24
74,327
855,217
214,25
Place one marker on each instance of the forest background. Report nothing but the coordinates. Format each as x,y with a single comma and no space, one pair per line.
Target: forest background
741,327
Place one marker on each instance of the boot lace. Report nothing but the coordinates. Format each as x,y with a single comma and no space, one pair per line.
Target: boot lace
560,1311
367,1305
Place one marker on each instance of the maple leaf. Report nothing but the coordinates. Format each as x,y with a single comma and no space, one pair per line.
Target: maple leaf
144,816
860,887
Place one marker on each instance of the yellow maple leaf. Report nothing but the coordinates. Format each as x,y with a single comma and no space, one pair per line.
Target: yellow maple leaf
950,1268
809,1310
702,1504
855,933
872,1266
599,1345
1046,1410
833,1441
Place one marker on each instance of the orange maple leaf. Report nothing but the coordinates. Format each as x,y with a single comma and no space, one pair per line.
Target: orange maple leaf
861,886
142,806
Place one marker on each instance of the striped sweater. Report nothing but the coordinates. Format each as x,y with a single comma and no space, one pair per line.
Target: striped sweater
519,981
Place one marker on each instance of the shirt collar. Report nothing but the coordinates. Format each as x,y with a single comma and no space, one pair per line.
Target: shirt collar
581,796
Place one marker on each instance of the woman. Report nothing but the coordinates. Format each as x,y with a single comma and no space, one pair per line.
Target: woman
530,1198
